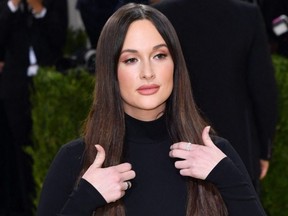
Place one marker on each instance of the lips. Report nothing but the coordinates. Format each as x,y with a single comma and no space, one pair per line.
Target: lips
148,89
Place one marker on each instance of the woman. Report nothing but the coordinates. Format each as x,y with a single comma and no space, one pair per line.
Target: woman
136,157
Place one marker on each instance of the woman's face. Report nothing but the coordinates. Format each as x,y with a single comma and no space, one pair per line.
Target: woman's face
145,71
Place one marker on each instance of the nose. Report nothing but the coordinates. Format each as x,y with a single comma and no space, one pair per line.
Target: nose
147,71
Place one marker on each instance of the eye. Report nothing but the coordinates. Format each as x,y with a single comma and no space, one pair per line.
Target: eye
130,61
160,56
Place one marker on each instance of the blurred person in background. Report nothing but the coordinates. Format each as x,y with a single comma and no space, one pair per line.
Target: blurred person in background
94,14
32,34
275,13
227,53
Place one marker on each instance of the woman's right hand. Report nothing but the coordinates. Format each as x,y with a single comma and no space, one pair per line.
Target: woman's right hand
111,182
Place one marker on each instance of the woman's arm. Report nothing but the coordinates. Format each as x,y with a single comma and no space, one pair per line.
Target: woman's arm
97,187
220,164
60,194
233,182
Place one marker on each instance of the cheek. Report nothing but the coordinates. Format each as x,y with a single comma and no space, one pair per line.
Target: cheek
124,80
169,76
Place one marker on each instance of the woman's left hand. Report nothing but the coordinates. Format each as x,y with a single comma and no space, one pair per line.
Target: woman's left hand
197,160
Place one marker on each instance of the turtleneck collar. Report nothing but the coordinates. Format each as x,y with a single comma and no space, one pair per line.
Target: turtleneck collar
146,131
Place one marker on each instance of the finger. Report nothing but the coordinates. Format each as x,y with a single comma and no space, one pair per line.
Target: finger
206,137
185,172
182,164
128,175
264,165
175,146
100,156
127,185
263,174
182,145
124,167
179,153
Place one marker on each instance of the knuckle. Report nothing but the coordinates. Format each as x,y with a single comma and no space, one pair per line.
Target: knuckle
117,178
118,188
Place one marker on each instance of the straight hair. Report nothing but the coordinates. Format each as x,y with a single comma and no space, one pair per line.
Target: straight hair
105,123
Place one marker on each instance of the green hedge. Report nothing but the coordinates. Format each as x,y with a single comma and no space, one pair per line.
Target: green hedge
60,104
62,101
275,185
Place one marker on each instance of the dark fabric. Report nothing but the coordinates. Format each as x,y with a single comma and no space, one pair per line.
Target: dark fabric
19,31
95,13
147,147
61,195
232,77
16,182
158,188
272,9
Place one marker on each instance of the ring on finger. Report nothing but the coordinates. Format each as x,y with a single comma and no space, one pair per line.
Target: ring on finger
188,146
129,185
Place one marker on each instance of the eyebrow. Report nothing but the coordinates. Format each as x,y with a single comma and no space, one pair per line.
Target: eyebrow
135,51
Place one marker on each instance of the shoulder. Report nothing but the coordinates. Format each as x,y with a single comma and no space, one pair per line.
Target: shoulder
70,154
221,143
68,159
226,147
247,12
232,160
74,148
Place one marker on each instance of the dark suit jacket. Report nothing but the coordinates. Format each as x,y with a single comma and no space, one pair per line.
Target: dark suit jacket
99,10
20,30
226,51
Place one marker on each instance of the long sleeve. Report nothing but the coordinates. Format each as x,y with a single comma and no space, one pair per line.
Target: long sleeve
232,180
83,201
61,195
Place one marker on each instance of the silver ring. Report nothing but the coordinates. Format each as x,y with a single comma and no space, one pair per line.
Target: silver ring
129,185
188,146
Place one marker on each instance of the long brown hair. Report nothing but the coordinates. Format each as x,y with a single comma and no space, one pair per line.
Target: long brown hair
105,124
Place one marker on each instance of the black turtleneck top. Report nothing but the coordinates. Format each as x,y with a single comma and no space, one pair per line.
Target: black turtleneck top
158,188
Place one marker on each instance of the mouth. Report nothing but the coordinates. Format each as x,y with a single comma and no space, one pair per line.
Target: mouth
148,89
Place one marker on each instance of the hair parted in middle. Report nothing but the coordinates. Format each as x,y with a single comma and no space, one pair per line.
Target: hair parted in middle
105,124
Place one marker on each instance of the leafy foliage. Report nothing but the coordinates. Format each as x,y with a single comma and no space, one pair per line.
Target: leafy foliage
275,185
60,104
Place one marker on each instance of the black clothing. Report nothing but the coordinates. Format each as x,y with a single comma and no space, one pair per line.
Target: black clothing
232,77
19,31
158,188
94,15
271,10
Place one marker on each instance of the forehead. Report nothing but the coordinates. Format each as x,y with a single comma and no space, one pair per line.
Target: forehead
142,33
